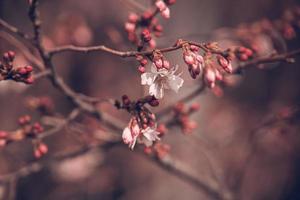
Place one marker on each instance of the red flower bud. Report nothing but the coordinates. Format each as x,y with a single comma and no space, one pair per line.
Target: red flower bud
142,69
146,35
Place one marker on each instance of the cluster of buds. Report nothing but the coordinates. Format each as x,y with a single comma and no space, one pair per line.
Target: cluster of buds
243,53
214,72
193,59
159,150
42,104
130,106
182,116
163,8
264,34
159,61
7,71
289,22
141,28
142,63
27,130
213,64
40,149
142,125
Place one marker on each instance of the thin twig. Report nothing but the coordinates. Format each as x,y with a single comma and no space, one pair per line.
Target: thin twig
14,30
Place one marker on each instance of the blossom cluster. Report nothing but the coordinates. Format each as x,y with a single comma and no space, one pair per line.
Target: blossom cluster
159,150
8,72
263,35
43,105
159,79
182,116
142,125
27,130
142,28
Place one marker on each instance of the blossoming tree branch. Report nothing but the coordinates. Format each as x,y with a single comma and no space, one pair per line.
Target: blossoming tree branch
206,62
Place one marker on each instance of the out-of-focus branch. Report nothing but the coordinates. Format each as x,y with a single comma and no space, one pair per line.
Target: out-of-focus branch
284,57
171,165
41,74
63,123
34,16
11,29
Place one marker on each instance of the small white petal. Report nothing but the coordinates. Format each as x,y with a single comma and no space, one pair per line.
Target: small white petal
153,69
146,142
151,134
132,144
148,78
157,90
175,82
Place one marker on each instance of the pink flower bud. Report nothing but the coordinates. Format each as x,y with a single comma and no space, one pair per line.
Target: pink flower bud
160,5
194,48
2,142
142,69
244,57
158,28
195,106
29,68
29,80
147,15
166,13
170,2
152,44
3,134
130,27
158,63
188,59
166,64
196,69
133,18
219,76
210,77
9,56
146,35
37,153
200,59
144,62
225,64
43,148
22,70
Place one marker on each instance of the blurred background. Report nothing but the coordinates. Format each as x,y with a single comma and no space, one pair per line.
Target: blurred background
258,166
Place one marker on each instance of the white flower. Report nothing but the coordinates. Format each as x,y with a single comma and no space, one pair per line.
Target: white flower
149,135
132,133
161,79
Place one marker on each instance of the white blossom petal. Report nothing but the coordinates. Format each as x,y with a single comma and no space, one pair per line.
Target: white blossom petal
149,136
157,90
132,144
161,79
175,82
153,69
148,78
